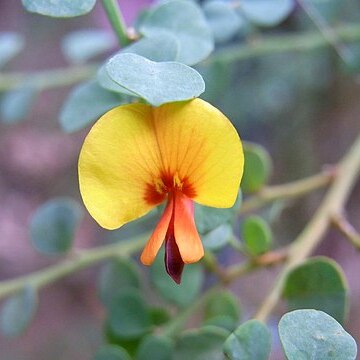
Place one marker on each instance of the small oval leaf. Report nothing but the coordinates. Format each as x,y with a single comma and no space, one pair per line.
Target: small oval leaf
80,46
257,235
157,83
85,104
111,352
250,341
319,284
257,167
312,334
11,44
202,344
18,311
267,12
116,277
129,316
185,21
53,226
224,21
59,8
155,347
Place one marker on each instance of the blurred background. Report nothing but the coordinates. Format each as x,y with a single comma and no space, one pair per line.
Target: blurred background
302,106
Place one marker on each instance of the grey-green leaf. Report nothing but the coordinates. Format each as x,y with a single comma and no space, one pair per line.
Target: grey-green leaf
257,167
18,311
156,82
186,22
116,277
16,104
129,316
59,8
85,104
111,352
219,237
223,20
250,341
11,44
80,46
312,334
267,12
53,226
155,347
183,294
319,284
202,344
257,235
208,218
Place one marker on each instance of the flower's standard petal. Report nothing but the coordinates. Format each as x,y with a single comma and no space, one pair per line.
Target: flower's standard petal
186,235
158,236
118,160
201,146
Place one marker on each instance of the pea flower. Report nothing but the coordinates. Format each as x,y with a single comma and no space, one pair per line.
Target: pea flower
138,156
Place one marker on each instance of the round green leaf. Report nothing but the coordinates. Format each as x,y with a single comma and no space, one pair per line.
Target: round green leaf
319,284
250,341
53,226
218,238
155,347
59,8
106,82
312,334
111,352
257,235
222,303
223,20
202,344
186,22
267,12
81,45
18,311
129,316
156,82
183,294
116,277
11,44
257,167
130,345
159,315
208,218
16,104
85,104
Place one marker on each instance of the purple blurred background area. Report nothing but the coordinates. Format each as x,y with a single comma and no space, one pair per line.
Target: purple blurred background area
38,161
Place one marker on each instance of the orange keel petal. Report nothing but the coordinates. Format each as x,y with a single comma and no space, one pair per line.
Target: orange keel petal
158,236
186,235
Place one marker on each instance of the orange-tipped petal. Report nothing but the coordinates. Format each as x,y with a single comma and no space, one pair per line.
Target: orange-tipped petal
158,236
186,235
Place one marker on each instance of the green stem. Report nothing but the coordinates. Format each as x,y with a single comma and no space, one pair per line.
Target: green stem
116,19
290,190
348,171
275,44
47,79
264,46
81,260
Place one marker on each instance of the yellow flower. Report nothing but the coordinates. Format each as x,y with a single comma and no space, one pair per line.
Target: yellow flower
138,156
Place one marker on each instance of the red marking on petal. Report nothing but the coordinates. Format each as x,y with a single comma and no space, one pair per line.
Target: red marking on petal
155,193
